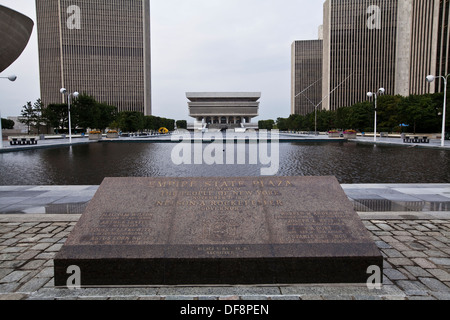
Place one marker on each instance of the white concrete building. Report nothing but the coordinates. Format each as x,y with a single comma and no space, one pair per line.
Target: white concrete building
223,109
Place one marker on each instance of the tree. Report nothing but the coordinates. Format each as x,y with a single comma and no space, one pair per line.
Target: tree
155,123
131,121
39,117
423,113
57,116
88,113
169,124
282,124
27,115
388,112
358,117
84,112
420,113
298,122
266,124
438,103
325,120
182,124
151,123
8,124
108,115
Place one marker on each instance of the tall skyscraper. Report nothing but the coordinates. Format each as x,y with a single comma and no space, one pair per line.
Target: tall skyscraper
98,47
360,40
392,44
423,45
306,76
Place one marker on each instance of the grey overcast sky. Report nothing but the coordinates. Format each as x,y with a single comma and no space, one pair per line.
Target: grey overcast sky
199,45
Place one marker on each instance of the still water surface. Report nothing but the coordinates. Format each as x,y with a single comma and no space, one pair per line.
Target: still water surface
350,162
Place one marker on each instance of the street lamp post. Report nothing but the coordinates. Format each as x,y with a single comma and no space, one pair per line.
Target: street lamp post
69,97
431,79
315,121
11,78
375,95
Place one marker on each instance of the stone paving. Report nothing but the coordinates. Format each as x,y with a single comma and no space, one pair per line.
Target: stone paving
415,241
416,251
409,223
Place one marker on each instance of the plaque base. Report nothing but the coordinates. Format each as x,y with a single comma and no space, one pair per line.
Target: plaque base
218,231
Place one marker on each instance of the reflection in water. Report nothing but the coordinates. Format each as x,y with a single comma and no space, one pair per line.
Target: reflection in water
350,162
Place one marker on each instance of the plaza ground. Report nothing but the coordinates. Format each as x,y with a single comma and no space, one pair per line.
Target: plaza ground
409,223
415,242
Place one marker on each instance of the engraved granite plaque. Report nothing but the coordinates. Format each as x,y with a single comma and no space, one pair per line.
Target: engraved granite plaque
211,231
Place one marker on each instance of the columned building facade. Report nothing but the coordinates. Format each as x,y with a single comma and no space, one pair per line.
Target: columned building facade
97,47
369,44
306,83
359,44
423,45
223,108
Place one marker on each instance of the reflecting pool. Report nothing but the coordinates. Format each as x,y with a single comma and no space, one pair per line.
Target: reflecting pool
89,164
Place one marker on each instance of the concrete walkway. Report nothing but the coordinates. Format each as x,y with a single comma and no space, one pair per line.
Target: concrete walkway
283,137
434,143
45,199
425,198
78,140
415,241
42,144
409,223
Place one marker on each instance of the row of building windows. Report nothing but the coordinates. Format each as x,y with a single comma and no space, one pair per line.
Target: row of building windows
105,58
103,51
307,84
361,59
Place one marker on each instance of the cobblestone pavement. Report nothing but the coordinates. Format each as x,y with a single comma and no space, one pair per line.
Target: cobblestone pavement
416,250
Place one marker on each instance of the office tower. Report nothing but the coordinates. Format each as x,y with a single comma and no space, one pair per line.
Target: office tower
423,47
97,47
359,50
443,44
306,80
393,44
